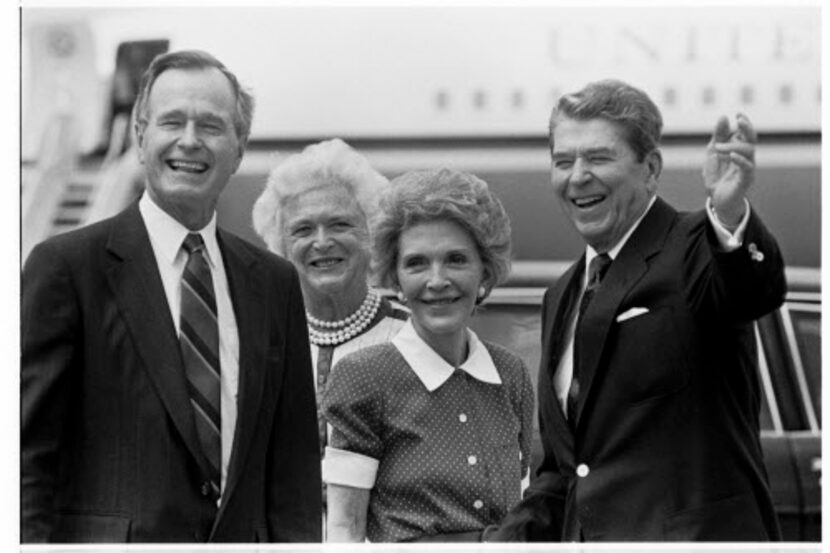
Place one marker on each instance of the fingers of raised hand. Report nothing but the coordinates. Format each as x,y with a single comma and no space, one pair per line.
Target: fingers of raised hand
744,163
744,149
746,131
721,133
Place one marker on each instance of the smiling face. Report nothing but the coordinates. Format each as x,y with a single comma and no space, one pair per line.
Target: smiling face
326,238
439,270
189,146
600,184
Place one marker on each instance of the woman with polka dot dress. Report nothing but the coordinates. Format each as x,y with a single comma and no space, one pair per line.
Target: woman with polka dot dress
430,432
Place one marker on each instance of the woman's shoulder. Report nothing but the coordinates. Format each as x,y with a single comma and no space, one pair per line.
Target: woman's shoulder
362,373
374,371
502,356
511,367
370,357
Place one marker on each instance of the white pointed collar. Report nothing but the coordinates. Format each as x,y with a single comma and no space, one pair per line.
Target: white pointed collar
168,234
433,370
591,253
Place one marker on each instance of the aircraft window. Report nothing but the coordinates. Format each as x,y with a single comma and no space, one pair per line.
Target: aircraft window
442,100
708,96
480,99
785,94
747,95
518,99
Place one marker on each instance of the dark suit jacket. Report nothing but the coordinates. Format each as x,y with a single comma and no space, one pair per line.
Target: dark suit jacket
667,423
109,450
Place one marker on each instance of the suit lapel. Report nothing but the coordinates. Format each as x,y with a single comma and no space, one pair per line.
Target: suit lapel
246,283
560,303
135,282
626,270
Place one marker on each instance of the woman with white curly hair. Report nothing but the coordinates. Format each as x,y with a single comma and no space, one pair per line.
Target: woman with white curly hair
315,210
430,432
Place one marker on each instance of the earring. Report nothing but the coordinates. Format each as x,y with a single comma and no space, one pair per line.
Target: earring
401,297
482,291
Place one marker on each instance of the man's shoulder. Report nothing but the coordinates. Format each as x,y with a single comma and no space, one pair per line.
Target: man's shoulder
82,240
689,219
255,252
675,218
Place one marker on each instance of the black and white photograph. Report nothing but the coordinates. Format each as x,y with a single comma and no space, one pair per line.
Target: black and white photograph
475,276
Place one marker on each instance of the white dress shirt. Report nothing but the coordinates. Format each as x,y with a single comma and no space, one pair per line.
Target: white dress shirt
563,376
166,238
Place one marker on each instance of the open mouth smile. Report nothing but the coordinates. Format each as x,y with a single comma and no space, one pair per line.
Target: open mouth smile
325,262
187,166
586,202
440,301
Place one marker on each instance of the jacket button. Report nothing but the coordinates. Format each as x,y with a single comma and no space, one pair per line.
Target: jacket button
205,489
582,470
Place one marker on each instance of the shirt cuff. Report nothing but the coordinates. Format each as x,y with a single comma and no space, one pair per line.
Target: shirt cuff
348,468
730,240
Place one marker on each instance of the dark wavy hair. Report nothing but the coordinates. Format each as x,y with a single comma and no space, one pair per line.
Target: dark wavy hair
619,103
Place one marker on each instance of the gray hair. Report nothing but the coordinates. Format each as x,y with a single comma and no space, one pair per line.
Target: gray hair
194,60
322,164
442,195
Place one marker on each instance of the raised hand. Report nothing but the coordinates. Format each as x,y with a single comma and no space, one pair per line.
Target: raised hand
729,168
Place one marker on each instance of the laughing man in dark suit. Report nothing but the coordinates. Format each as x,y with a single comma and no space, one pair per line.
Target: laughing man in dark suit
167,393
648,387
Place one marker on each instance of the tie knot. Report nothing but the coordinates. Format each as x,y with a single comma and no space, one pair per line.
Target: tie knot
193,243
597,269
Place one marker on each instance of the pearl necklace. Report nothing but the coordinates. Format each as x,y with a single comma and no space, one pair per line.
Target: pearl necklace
347,328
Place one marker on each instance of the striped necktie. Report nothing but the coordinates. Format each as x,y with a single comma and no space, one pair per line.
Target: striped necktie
199,342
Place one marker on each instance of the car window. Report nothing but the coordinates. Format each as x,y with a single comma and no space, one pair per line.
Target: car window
766,416
786,398
805,319
770,417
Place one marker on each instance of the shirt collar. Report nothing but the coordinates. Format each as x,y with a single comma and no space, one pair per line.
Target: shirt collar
433,370
591,253
167,234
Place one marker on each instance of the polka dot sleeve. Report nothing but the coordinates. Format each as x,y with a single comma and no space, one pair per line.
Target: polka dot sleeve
353,404
525,410
520,390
